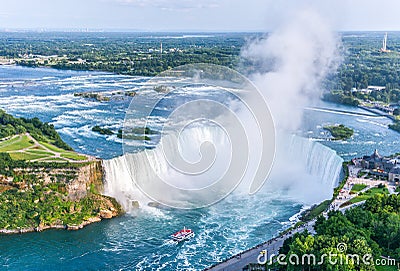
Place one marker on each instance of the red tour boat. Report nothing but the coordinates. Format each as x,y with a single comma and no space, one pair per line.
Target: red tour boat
183,235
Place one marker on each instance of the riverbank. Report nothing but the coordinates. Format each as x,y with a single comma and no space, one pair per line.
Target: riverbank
378,112
103,214
75,214
341,201
44,184
252,255
57,226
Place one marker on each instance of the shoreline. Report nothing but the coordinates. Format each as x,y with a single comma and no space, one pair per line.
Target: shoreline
249,256
236,261
74,70
272,246
88,180
377,112
67,227
103,214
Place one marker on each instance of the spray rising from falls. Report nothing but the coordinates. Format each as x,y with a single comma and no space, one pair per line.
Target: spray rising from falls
291,63
308,175
305,169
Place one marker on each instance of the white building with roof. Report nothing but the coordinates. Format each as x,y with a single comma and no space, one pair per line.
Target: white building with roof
394,174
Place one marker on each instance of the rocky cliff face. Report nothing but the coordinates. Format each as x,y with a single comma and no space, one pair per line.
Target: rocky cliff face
89,177
58,196
89,182
67,197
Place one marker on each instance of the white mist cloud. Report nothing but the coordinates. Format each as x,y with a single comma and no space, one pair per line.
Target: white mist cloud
293,60
290,65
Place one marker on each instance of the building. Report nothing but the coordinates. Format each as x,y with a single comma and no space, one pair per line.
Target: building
369,89
382,166
374,161
394,174
375,88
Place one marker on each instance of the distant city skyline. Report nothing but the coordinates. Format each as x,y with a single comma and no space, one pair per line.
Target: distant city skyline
192,15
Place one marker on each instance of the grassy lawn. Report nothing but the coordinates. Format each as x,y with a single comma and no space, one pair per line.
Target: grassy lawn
64,153
355,200
316,211
376,190
54,159
25,156
40,148
39,152
357,188
73,156
15,144
52,147
21,142
369,193
9,142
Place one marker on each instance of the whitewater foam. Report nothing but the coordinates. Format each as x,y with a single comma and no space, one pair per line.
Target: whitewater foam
305,171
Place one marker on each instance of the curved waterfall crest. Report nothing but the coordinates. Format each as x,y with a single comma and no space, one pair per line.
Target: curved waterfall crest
307,170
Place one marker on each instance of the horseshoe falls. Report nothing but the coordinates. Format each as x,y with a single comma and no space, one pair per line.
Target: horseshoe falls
305,171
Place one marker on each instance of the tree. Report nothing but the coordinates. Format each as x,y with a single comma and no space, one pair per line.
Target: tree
388,230
300,247
359,217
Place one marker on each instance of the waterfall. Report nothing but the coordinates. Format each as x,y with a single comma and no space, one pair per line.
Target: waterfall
120,185
306,170
124,173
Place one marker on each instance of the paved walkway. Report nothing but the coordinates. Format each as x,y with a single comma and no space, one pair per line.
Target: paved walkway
239,261
345,195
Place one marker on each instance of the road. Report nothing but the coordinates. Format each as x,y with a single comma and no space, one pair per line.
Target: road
239,261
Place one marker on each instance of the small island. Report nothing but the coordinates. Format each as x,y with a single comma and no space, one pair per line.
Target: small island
106,96
93,95
102,131
161,89
395,126
339,132
138,133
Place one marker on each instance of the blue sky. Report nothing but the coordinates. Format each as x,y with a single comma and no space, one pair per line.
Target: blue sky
192,15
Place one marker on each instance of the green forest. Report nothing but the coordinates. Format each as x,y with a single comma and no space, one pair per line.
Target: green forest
10,126
123,53
373,228
147,55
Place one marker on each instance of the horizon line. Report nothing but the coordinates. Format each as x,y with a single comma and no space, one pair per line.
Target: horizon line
133,30
127,30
